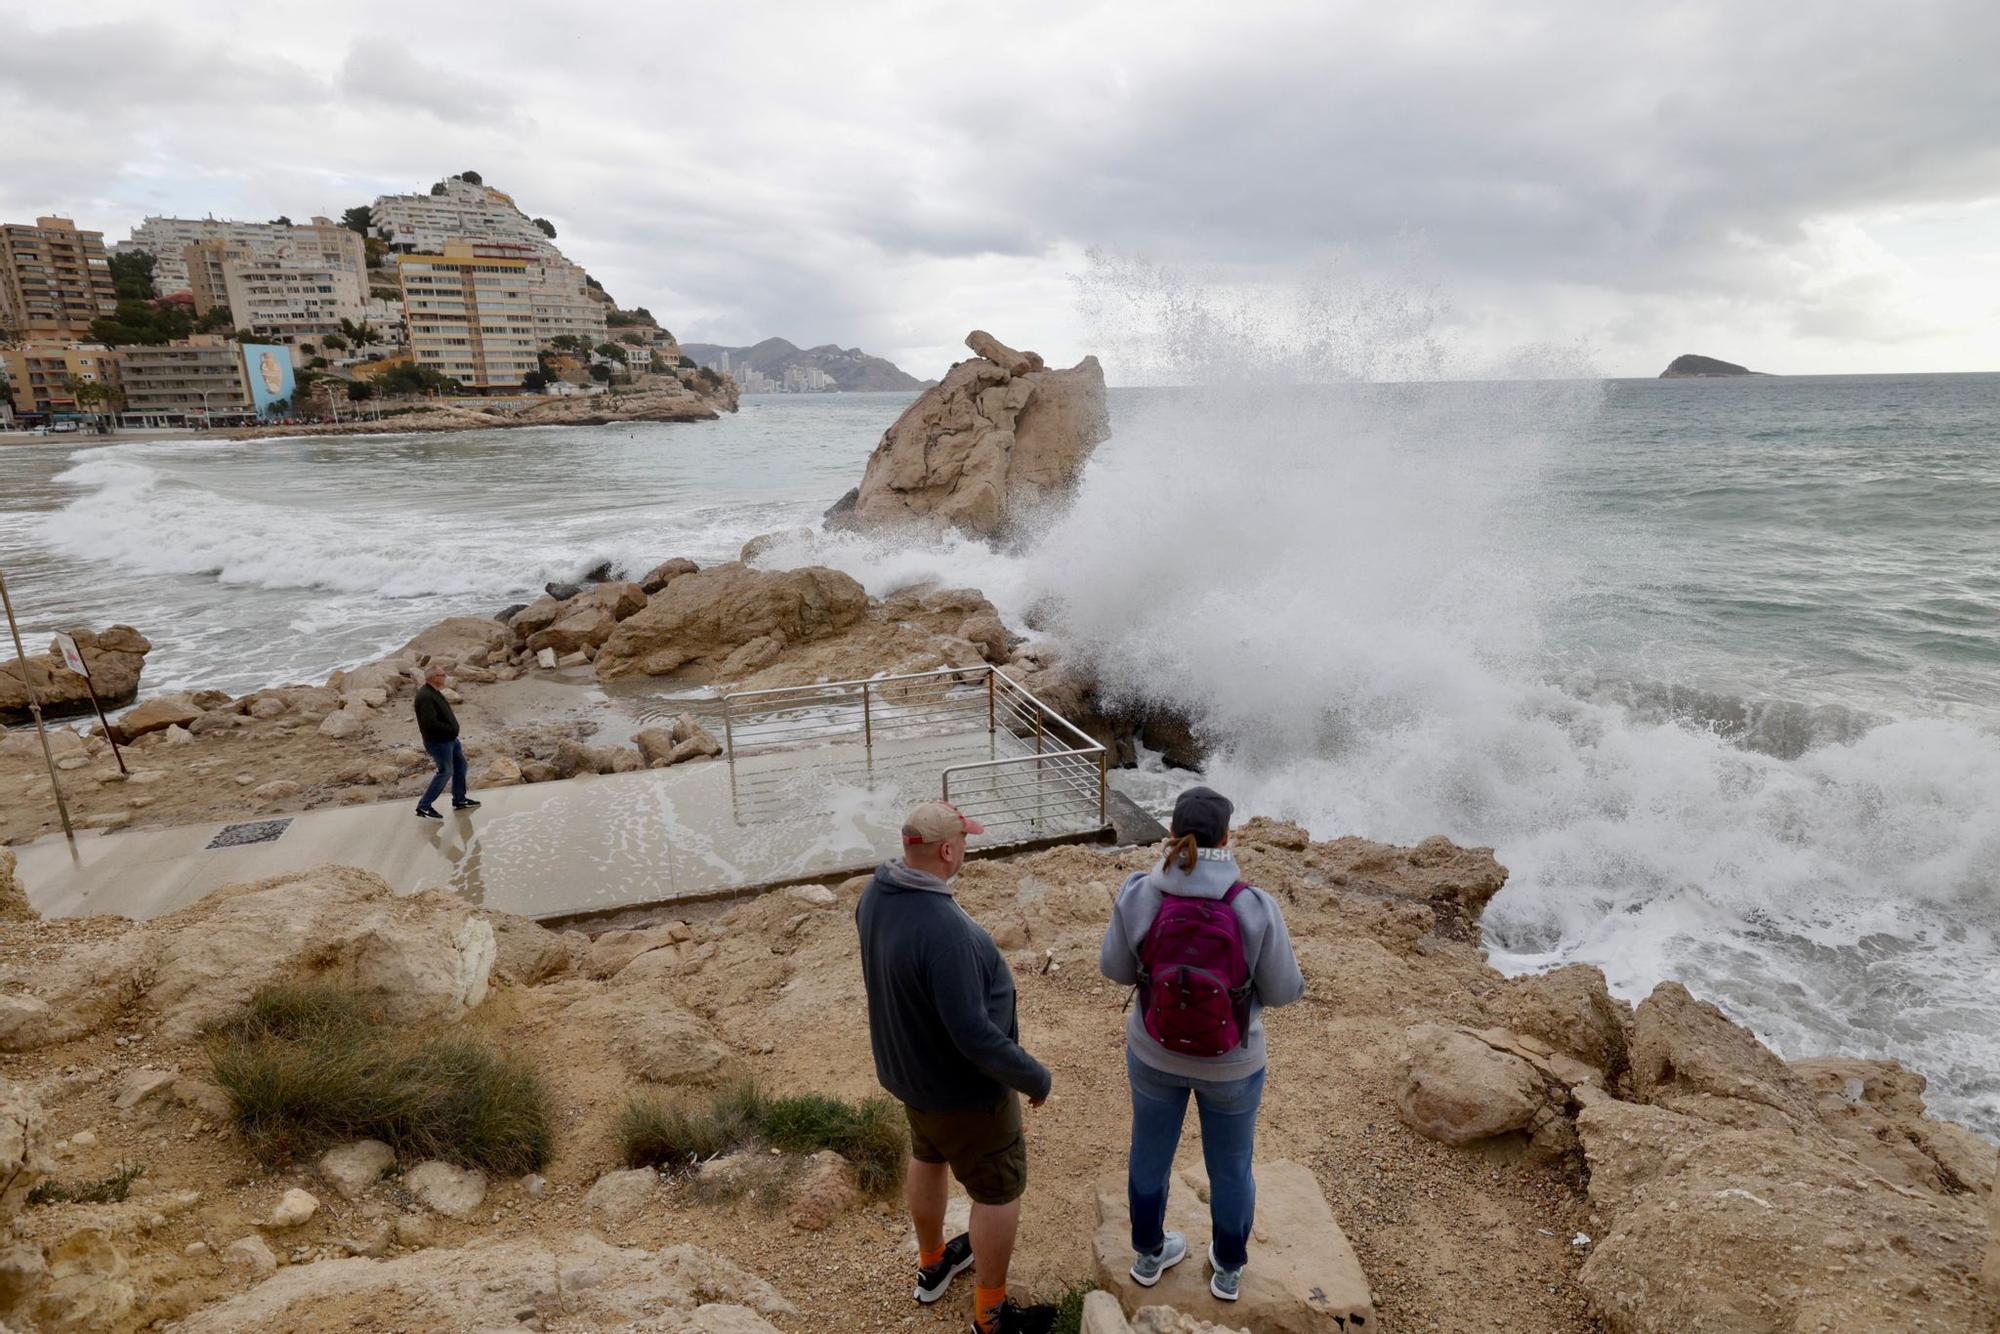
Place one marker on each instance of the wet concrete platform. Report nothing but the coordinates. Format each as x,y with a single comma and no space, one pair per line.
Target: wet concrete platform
550,850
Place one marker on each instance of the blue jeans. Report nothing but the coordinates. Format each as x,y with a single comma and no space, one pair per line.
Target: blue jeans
1228,1111
449,757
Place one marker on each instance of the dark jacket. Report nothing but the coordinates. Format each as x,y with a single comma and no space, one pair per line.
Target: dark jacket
434,716
940,998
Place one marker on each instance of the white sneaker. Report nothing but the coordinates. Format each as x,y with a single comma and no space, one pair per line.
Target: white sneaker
1222,1282
1146,1270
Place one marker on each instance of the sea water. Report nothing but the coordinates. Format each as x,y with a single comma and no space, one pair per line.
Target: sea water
1713,665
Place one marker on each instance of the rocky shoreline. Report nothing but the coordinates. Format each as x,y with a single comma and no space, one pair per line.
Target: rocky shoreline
676,402
1502,1153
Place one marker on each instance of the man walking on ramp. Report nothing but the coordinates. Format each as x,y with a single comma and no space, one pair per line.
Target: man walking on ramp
439,726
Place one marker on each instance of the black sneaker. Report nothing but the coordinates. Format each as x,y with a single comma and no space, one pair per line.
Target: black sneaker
932,1280
427,813
467,805
1012,1319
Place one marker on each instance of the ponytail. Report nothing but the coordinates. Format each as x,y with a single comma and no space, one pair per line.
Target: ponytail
1183,850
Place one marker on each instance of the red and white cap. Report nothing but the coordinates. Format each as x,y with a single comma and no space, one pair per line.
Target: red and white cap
936,821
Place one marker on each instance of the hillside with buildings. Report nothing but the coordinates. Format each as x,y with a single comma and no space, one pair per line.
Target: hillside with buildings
776,366
453,292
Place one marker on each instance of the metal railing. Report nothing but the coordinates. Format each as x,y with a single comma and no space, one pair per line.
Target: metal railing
990,746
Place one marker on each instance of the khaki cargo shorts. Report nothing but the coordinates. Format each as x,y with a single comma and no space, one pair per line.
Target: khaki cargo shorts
984,1147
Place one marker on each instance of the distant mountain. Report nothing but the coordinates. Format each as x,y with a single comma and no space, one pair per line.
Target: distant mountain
1691,367
850,367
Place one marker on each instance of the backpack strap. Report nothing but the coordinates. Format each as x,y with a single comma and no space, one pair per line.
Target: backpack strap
1229,896
1240,995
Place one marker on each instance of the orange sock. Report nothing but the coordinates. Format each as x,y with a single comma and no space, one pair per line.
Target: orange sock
925,1259
986,1305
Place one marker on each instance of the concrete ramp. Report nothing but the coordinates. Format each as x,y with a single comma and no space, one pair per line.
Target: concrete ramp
1303,1276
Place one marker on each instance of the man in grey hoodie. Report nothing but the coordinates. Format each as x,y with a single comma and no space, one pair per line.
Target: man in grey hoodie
1227,1088
946,1040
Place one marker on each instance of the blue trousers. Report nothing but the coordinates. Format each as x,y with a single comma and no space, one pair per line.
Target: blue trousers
449,757
1228,1111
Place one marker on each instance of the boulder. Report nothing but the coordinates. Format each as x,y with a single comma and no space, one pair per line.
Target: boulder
575,1282
14,906
500,771
154,715
295,1209
582,625
619,1197
700,618
1688,1056
1574,1011
115,657
89,1284
988,445
343,723
470,641
610,952
824,1189
526,952
653,1038
665,573
356,1165
537,615
1457,1089
1303,1276
989,636
252,1255
455,1192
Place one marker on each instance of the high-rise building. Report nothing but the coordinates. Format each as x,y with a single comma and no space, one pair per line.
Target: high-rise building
480,312
456,210
54,279
322,241
38,372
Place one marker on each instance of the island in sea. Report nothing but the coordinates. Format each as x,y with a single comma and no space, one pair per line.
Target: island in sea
778,366
1688,366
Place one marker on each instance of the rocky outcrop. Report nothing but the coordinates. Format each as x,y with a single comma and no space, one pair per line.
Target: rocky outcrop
419,957
115,657
726,615
24,1146
155,715
660,401
1000,438
579,1281
1304,1277
1688,366
458,641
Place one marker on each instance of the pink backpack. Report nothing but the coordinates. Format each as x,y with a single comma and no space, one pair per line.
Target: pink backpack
1193,980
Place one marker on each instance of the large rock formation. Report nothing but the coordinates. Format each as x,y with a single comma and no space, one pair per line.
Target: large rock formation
115,657
717,616
1000,436
1688,366
420,957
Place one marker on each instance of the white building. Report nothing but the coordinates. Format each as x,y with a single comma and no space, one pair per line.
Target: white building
458,211
167,240
285,300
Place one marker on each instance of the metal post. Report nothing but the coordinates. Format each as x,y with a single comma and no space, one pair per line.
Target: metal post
35,708
990,729
109,735
867,724
1103,791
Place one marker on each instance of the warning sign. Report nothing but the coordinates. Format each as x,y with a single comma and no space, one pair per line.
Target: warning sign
71,657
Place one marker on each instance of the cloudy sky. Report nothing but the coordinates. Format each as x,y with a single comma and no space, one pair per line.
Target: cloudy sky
1803,189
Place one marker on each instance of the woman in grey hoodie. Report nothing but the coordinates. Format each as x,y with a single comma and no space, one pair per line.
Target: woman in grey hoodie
1228,1087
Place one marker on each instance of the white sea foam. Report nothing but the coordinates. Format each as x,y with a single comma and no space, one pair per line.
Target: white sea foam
1354,592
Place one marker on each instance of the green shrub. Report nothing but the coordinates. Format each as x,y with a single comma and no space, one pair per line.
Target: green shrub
652,1133
1069,1308
305,1067
111,1190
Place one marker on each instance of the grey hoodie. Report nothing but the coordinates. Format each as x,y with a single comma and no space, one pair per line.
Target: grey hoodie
1267,948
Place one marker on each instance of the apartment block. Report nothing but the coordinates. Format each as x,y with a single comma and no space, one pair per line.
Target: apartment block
38,373
167,240
458,211
287,300
54,279
480,312
471,313
196,380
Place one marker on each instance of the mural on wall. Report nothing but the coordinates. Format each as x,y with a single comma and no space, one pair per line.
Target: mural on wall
268,369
